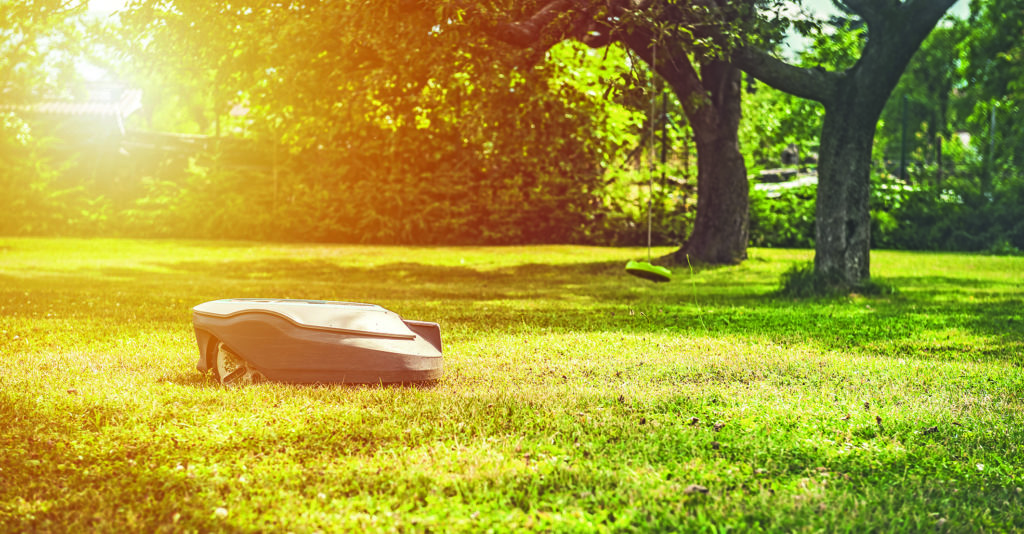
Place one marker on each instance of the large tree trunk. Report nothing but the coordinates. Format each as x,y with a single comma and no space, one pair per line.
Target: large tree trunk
843,219
711,102
721,231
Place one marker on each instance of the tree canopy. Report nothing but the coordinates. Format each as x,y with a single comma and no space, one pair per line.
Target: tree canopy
437,138
507,122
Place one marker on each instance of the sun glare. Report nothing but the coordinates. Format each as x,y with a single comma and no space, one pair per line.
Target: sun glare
106,6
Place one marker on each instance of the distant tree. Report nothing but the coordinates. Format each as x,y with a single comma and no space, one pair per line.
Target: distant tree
39,41
992,56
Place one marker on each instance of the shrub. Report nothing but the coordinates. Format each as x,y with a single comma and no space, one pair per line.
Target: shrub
956,215
784,219
800,281
30,200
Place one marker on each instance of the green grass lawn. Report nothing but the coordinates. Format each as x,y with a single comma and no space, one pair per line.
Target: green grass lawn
575,397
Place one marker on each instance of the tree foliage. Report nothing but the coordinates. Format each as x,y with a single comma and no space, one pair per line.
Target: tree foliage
39,41
401,121
387,122
993,83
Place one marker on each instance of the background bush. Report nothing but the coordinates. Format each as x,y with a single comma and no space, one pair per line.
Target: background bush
955,215
785,220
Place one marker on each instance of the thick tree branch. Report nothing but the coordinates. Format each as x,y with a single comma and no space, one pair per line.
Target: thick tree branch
552,23
895,30
921,16
530,32
869,10
814,83
561,19
895,37
676,69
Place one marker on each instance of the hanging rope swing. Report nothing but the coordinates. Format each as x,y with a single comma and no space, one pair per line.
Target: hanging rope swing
645,269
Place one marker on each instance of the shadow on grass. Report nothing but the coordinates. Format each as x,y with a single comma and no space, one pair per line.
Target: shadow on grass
961,283
576,297
200,379
89,487
193,379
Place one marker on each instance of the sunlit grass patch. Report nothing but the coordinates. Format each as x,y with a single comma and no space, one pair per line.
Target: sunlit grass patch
574,396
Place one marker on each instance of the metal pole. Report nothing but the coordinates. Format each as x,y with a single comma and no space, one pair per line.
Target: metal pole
991,146
650,167
664,135
903,143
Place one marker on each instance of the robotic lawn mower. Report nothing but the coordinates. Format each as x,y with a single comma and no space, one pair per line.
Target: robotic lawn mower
313,341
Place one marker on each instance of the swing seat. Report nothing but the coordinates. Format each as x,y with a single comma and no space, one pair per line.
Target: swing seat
643,269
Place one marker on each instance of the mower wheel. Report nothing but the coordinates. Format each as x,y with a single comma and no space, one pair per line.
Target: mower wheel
231,370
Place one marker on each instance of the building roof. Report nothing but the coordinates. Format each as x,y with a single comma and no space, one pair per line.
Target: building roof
130,102
115,102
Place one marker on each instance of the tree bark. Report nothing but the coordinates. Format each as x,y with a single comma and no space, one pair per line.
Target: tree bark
721,231
842,217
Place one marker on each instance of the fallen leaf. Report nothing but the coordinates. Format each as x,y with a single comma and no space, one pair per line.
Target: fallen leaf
715,445
847,418
693,421
695,488
930,430
718,426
